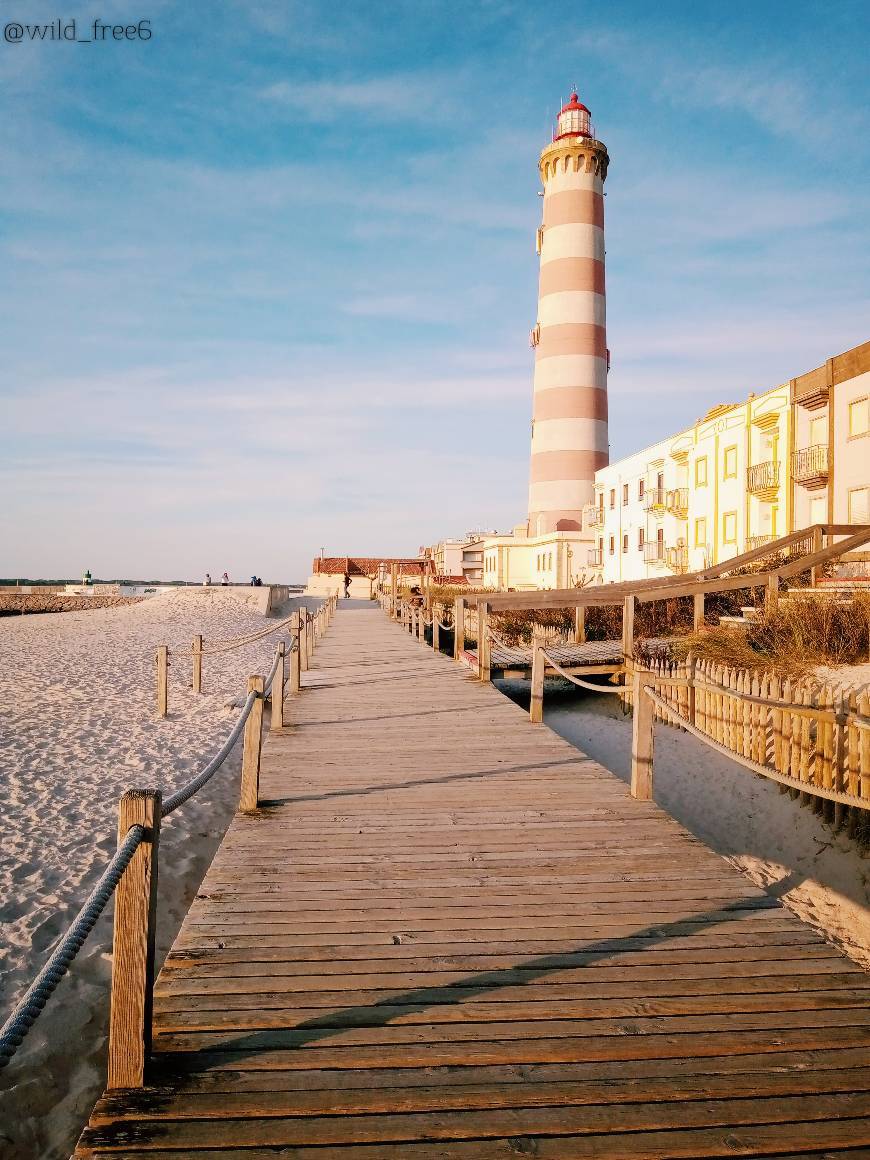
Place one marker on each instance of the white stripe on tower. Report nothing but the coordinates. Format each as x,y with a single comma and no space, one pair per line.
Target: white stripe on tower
569,433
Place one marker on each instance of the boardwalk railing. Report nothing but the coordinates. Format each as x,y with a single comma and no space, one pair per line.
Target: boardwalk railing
309,624
811,738
131,874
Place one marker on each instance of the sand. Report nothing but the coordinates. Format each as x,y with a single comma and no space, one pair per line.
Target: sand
77,727
821,875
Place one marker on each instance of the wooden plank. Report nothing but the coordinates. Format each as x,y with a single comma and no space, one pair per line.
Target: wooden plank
445,933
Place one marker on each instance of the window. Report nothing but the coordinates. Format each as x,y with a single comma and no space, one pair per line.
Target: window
859,505
624,542
612,545
701,471
539,240
729,466
701,532
640,539
613,497
819,509
640,488
859,417
818,431
624,494
729,528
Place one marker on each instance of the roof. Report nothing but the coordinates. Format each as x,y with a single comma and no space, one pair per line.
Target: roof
366,565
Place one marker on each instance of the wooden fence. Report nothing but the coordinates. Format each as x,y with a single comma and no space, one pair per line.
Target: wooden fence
815,734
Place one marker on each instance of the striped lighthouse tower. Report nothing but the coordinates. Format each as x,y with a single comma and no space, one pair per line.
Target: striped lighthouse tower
569,428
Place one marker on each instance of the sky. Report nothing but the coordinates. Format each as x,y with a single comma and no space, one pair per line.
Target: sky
267,269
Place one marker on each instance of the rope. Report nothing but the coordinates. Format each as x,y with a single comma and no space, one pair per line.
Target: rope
41,989
267,687
831,795
196,783
228,643
583,684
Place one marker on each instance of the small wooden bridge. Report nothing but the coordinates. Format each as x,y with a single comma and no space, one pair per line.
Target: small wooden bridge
446,933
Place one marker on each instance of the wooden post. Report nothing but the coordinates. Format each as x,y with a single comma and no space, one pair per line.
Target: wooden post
817,547
536,703
642,738
394,589
698,615
296,655
436,631
690,691
162,680
197,664
628,606
277,718
305,641
580,624
252,743
484,644
771,595
133,944
458,628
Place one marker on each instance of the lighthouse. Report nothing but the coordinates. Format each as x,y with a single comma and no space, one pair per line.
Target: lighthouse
569,426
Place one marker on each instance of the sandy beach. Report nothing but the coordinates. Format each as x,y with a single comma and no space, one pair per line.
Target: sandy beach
77,728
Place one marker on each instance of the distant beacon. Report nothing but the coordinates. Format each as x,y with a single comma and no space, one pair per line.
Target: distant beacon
569,428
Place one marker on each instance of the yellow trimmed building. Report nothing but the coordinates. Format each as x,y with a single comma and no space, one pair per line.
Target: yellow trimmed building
739,477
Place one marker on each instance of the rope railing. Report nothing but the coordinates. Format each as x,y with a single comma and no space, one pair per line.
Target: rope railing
764,770
30,1006
140,814
581,684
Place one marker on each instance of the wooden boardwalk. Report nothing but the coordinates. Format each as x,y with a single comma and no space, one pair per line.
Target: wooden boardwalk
449,934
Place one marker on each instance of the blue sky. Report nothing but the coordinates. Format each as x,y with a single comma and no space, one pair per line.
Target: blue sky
267,277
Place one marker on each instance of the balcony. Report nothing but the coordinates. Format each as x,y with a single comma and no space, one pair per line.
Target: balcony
653,552
812,390
810,466
762,477
678,558
654,500
595,558
595,517
677,502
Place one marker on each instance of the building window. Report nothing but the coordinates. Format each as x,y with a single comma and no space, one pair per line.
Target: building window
729,528
701,532
624,494
640,488
730,463
612,546
818,431
613,497
624,542
859,505
859,416
640,539
701,471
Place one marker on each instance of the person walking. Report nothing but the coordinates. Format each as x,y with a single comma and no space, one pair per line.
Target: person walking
346,585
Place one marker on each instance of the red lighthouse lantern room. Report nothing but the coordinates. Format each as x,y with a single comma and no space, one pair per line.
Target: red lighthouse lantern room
574,120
